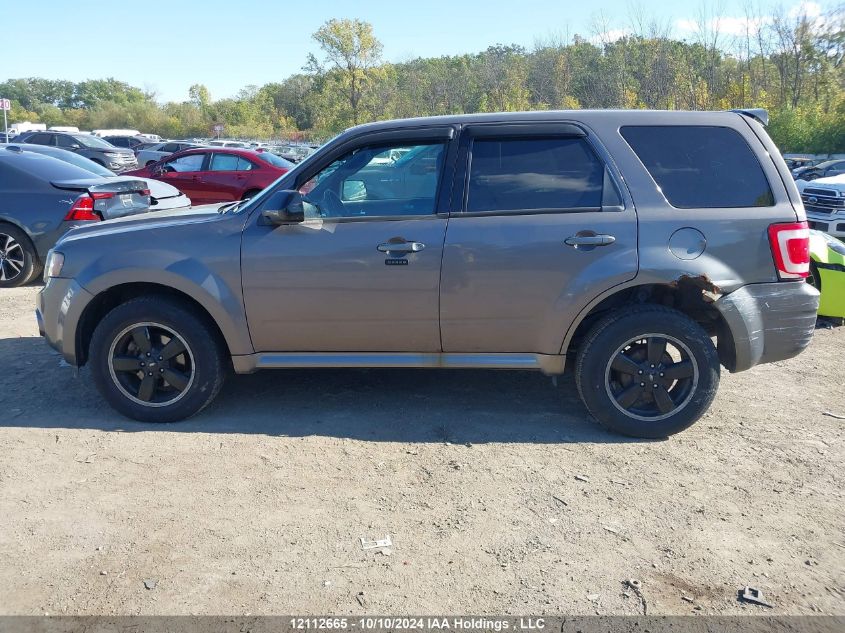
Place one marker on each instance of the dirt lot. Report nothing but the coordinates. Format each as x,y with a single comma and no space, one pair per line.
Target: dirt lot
498,492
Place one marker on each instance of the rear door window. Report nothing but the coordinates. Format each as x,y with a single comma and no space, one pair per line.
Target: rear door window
40,139
67,142
535,174
701,167
224,162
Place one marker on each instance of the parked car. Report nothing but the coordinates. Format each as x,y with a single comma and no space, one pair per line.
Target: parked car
237,144
117,159
129,142
799,161
292,153
157,151
821,170
162,195
209,175
618,243
824,202
827,273
145,145
41,198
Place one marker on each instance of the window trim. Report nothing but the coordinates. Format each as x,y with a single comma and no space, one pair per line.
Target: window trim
687,125
557,130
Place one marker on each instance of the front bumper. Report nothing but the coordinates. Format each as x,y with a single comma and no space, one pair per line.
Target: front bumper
831,224
767,322
59,308
119,166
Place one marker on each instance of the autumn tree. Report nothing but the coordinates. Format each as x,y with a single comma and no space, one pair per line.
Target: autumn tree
353,52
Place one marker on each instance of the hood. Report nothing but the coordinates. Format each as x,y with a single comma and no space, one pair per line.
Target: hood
113,150
838,182
144,172
145,221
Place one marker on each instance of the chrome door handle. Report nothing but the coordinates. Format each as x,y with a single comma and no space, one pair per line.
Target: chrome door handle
589,240
401,247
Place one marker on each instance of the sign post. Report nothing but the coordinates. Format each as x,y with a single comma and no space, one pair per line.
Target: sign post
218,129
5,105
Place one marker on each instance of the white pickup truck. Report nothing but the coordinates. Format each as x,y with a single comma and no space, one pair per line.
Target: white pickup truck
824,202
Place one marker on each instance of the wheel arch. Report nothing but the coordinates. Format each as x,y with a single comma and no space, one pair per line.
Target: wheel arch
108,299
692,296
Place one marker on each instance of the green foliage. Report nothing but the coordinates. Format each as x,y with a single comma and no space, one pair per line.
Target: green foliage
797,72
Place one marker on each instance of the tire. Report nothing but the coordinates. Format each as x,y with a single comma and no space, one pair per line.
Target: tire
626,391
18,259
250,194
194,362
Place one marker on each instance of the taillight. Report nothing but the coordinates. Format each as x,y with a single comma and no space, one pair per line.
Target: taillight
102,195
82,209
790,244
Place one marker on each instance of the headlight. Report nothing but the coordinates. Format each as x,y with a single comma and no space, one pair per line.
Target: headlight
835,245
111,154
53,267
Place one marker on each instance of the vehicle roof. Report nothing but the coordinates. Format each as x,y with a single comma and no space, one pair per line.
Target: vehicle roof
240,151
41,165
585,116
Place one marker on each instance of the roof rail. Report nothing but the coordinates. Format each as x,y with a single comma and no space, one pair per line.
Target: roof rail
761,114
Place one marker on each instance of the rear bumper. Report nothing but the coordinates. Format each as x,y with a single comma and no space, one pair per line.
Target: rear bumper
59,307
767,322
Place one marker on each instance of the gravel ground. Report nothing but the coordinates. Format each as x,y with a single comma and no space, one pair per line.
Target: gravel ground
498,492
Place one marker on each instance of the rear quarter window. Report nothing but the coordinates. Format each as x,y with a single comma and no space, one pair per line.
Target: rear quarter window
700,167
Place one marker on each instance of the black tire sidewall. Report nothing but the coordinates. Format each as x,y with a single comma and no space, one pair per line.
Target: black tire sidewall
610,334
30,258
207,356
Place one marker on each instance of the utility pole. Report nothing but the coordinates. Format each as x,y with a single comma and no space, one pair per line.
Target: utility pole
6,105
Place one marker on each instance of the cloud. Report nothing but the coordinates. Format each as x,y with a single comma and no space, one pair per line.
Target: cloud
738,26
726,25
811,10
609,36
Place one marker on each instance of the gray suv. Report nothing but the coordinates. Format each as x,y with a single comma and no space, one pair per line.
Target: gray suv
117,159
640,250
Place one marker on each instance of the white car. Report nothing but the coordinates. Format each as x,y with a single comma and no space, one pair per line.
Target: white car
153,154
824,202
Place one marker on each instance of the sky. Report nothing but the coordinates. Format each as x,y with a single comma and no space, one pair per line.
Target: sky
165,47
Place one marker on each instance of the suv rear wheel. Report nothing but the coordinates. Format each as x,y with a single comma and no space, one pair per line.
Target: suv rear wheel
154,361
647,372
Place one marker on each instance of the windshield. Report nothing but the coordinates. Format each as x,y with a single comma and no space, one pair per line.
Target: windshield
276,161
92,141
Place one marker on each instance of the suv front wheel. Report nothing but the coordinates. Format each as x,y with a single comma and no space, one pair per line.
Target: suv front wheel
155,361
648,372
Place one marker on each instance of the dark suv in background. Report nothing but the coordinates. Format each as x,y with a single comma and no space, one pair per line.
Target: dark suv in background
117,159
617,244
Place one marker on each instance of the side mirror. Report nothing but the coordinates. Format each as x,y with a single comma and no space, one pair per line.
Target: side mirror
76,146
283,207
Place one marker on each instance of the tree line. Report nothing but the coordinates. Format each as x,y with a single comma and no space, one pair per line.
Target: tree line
791,64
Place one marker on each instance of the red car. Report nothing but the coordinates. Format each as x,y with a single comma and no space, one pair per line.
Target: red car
217,174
